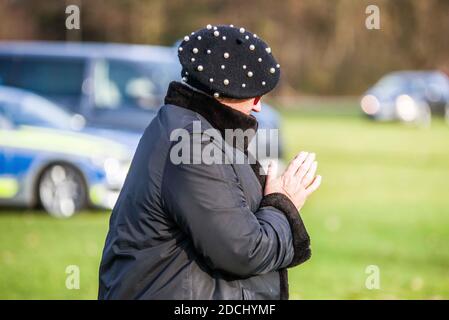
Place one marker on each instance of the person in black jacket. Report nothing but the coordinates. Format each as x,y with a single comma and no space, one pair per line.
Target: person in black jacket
186,229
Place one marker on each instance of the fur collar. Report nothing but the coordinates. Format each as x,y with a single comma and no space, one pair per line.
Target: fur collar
220,116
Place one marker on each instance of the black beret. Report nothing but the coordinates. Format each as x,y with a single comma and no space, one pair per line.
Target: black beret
225,61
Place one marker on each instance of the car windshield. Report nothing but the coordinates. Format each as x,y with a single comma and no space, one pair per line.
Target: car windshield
36,111
419,84
409,83
391,84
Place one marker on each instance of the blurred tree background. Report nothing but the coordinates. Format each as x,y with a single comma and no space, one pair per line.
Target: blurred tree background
323,45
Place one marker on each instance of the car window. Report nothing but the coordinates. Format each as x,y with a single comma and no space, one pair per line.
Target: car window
417,84
440,81
49,76
59,79
129,84
390,84
391,81
6,69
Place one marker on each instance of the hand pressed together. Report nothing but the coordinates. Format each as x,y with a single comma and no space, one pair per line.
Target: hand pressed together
297,182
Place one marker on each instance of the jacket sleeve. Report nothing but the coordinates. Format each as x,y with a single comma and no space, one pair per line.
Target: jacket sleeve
208,203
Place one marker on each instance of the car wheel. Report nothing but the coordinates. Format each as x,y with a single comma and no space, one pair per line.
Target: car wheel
62,191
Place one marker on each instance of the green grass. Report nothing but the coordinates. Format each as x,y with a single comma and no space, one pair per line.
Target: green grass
35,250
384,201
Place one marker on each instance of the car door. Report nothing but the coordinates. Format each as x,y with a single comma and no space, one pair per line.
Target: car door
4,125
13,163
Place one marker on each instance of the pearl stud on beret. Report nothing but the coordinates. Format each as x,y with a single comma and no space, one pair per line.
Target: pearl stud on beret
228,61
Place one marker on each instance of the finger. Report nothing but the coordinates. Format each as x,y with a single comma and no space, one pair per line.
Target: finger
308,178
302,170
295,163
272,170
314,186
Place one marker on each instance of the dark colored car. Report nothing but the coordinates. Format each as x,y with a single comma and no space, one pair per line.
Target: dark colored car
407,96
113,86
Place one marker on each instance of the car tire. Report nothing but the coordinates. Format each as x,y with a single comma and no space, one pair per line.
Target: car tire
62,191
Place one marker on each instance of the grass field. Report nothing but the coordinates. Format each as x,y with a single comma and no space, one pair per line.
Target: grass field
384,201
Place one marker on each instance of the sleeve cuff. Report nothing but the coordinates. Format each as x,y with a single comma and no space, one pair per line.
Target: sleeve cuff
301,239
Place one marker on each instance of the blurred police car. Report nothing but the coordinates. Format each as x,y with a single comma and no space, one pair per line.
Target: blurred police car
409,96
48,158
114,86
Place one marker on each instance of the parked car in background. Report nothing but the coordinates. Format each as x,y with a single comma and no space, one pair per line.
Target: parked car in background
408,96
48,158
113,86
